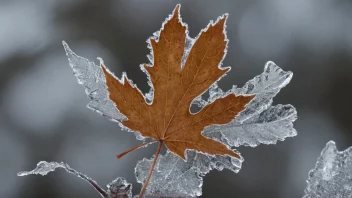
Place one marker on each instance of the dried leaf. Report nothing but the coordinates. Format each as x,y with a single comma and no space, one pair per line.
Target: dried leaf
263,124
168,118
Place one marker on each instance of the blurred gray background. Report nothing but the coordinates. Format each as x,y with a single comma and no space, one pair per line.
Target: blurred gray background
43,114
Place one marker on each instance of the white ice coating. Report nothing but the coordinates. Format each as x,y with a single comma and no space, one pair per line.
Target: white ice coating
43,168
259,122
119,188
92,78
174,177
332,175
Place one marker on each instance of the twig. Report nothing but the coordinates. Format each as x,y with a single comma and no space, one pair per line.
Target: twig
132,149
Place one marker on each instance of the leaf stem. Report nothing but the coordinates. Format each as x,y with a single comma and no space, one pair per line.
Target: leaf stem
132,149
151,169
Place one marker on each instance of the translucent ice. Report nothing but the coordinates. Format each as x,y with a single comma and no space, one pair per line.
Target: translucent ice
174,177
259,123
119,188
92,78
332,175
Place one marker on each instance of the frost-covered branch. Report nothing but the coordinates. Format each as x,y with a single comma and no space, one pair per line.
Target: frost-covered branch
118,188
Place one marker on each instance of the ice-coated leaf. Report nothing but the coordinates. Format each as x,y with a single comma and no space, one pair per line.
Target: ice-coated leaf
332,175
174,177
92,78
119,188
44,168
265,86
271,125
259,123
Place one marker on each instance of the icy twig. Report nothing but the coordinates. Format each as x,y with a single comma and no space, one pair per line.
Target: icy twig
43,168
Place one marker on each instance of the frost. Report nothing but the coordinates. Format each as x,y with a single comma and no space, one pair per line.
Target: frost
259,123
265,86
174,177
119,188
332,175
92,78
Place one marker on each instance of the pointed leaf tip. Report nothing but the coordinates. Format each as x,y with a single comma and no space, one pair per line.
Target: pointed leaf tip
177,8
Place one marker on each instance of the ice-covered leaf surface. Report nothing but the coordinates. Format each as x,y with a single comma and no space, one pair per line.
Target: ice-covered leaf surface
259,123
92,78
119,188
174,177
332,175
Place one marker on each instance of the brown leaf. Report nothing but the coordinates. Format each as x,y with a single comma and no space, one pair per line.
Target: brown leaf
168,118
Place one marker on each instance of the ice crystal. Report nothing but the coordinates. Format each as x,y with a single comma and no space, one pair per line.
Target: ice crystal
92,78
174,177
332,175
119,188
259,123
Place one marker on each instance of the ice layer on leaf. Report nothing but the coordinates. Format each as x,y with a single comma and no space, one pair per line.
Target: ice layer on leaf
174,177
259,122
92,78
332,175
43,168
265,86
119,188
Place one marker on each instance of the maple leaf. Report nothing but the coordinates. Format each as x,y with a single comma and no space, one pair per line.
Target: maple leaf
182,69
168,118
